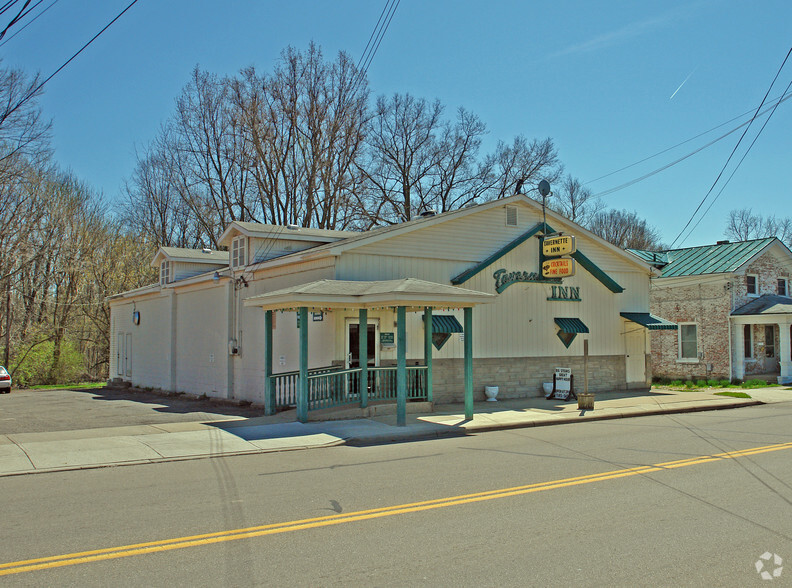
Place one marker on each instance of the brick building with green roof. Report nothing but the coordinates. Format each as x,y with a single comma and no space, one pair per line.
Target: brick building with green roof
731,302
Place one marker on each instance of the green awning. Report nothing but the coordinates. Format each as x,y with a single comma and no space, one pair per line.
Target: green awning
445,323
571,325
650,321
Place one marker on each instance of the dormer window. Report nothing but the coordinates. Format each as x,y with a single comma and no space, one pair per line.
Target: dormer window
239,252
165,273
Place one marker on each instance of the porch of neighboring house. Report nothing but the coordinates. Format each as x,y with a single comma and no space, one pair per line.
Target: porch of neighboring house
762,333
361,384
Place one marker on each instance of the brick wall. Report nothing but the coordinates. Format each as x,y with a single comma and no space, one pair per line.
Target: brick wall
522,377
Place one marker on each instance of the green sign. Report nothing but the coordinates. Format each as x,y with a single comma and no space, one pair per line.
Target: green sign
387,339
504,279
565,294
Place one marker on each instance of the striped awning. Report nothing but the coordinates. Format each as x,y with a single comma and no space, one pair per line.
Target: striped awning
445,323
571,325
650,321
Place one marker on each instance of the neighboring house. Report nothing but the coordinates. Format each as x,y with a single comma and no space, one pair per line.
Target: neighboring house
731,301
207,333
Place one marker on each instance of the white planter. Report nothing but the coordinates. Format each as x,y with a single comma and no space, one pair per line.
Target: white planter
491,392
547,388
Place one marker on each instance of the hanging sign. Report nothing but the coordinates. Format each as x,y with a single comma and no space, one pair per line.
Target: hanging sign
563,267
562,245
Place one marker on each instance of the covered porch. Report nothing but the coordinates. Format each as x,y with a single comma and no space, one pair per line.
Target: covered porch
328,386
762,334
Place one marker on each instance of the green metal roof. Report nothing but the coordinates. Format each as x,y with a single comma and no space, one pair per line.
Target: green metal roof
571,325
445,323
707,259
650,321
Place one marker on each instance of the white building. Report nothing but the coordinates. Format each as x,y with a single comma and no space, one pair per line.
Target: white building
202,328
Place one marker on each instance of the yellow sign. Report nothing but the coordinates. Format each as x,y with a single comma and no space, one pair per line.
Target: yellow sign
563,267
563,245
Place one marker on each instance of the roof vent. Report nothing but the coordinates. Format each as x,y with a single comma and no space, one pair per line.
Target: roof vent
511,216
724,242
428,212
293,227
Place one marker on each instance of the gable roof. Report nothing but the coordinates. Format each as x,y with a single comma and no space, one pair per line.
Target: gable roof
766,304
209,256
291,232
706,259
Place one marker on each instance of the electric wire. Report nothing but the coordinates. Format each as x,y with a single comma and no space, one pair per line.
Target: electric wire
733,172
784,98
715,128
384,30
68,61
16,19
30,22
725,165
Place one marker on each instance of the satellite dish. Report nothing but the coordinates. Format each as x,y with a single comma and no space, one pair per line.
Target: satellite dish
544,188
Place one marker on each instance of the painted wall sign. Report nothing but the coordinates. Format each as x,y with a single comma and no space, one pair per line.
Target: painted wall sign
563,267
554,246
565,294
504,279
387,339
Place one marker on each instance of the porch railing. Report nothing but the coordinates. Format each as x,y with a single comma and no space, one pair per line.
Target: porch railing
333,386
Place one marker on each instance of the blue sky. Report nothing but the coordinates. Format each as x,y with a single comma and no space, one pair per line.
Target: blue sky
596,77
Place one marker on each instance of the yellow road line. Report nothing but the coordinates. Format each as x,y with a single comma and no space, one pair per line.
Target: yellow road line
82,557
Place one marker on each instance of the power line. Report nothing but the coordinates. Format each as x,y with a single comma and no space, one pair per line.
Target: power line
733,172
31,20
16,18
687,224
68,61
783,98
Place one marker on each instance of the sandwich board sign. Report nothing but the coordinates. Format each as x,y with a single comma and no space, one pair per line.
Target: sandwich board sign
563,383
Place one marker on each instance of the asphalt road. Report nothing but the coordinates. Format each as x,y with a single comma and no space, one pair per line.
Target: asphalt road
567,505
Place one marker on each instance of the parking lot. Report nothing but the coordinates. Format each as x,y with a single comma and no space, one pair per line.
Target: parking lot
39,411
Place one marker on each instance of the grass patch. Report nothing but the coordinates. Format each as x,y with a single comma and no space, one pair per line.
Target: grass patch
79,385
733,394
755,384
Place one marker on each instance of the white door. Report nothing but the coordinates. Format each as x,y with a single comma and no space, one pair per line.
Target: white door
635,356
128,356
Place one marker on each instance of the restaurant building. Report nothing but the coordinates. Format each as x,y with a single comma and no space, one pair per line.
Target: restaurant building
452,303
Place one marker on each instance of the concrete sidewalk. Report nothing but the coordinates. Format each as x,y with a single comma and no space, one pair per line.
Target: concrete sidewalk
24,453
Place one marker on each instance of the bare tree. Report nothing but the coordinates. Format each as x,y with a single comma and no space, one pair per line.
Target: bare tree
744,225
625,229
519,167
576,202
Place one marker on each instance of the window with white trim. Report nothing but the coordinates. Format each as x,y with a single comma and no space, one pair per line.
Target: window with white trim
752,284
164,272
783,287
688,341
239,252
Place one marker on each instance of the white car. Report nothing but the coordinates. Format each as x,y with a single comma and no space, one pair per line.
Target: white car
5,381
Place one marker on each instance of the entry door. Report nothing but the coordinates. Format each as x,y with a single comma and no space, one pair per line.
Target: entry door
635,356
353,344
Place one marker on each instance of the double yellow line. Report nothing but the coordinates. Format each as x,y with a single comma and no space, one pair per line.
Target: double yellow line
83,557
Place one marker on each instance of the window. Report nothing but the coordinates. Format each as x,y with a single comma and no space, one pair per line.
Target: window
769,341
747,341
751,285
688,346
238,252
164,273
782,286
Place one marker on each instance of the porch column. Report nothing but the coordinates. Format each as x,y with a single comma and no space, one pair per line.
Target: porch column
738,363
428,351
468,363
784,357
302,391
363,354
401,366
269,389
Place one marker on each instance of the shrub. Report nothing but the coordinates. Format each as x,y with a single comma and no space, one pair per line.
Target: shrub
36,365
676,383
724,383
701,383
713,383
689,384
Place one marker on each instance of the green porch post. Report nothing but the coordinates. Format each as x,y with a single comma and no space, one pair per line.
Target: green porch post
468,363
302,392
269,389
363,355
428,351
401,366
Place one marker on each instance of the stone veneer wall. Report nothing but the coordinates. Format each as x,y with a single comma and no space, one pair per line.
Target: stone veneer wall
522,377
